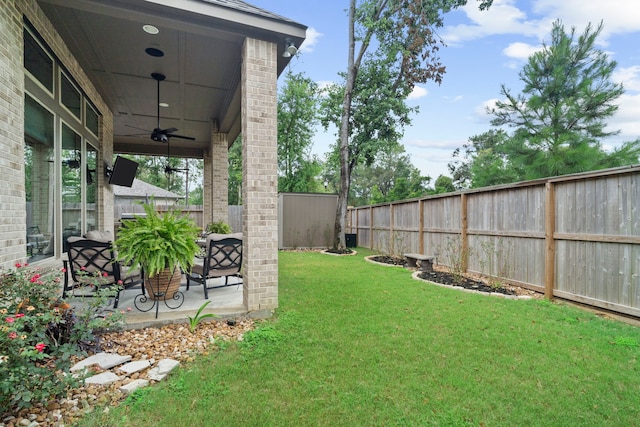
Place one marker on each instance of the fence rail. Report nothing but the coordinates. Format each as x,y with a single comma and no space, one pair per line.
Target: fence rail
576,237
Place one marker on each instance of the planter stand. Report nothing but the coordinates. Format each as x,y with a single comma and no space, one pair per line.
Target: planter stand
164,286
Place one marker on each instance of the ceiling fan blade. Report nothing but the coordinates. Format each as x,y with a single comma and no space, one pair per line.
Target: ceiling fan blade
172,135
170,130
136,134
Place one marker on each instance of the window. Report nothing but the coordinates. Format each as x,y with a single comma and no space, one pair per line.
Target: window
91,118
61,158
70,96
39,179
37,62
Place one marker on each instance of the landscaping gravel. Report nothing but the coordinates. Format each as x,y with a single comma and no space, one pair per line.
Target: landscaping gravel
152,344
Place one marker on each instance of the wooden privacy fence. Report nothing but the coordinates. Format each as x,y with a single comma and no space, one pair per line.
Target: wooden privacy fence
575,237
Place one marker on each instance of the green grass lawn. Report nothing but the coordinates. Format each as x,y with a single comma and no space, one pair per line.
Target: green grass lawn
357,344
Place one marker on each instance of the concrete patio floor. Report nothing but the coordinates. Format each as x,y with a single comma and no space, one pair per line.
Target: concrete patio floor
226,302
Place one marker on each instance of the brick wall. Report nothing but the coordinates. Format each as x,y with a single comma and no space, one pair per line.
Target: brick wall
216,178
259,175
12,190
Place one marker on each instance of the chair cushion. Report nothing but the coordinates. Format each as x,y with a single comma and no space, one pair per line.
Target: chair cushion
218,236
101,236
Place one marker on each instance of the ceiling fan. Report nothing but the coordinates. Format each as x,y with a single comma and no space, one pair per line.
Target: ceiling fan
168,169
158,134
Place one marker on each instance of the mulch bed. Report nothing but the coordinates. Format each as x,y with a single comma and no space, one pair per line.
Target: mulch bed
446,278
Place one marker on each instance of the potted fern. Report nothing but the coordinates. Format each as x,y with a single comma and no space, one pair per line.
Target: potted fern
161,244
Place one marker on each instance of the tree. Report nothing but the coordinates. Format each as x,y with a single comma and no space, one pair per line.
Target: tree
235,172
483,162
444,184
402,34
391,177
560,116
297,117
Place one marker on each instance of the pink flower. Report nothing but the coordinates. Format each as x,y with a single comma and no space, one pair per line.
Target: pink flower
10,319
13,335
64,270
40,347
35,278
105,274
119,282
18,265
83,268
20,315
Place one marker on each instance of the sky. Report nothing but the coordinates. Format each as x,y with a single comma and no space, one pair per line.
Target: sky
484,50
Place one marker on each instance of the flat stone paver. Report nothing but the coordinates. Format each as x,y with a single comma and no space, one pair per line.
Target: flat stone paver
133,367
162,369
104,378
133,386
103,360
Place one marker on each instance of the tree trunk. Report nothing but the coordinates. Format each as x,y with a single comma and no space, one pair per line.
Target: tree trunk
343,193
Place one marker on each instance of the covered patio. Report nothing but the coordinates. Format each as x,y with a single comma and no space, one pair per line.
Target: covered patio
147,73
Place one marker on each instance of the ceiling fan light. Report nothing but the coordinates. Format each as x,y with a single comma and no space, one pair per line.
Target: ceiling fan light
164,105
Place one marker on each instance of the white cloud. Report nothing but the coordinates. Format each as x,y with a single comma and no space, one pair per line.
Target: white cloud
454,99
509,17
325,84
629,77
503,17
520,51
439,144
310,42
619,16
481,109
418,92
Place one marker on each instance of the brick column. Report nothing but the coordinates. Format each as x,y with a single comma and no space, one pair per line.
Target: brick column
12,190
215,180
259,175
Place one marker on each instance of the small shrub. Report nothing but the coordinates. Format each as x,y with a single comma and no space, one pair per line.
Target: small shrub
199,317
456,257
219,227
39,333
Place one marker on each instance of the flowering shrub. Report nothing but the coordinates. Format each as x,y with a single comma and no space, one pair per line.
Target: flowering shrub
39,333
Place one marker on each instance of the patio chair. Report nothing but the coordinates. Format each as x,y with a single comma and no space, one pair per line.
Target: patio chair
93,262
223,258
35,240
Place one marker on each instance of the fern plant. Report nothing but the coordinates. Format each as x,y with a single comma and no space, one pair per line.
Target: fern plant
158,241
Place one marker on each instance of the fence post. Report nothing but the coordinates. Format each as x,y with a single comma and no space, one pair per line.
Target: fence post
463,232
421,226
550,243
371,227
392,245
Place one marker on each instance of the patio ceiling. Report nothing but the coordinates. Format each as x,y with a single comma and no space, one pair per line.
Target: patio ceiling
202,44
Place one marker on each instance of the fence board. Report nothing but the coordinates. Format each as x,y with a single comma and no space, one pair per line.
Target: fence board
595,234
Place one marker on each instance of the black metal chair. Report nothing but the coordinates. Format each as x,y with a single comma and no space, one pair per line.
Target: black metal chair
35,240
223,258
93,262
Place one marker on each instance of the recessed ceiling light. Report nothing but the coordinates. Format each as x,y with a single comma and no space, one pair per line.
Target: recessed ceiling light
150,29
163,104
152,51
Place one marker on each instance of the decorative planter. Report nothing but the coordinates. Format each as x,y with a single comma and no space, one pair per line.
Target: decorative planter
164,285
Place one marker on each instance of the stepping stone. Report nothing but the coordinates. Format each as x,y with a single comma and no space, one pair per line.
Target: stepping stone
133,367
103,360
162,369
133,386
104,378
